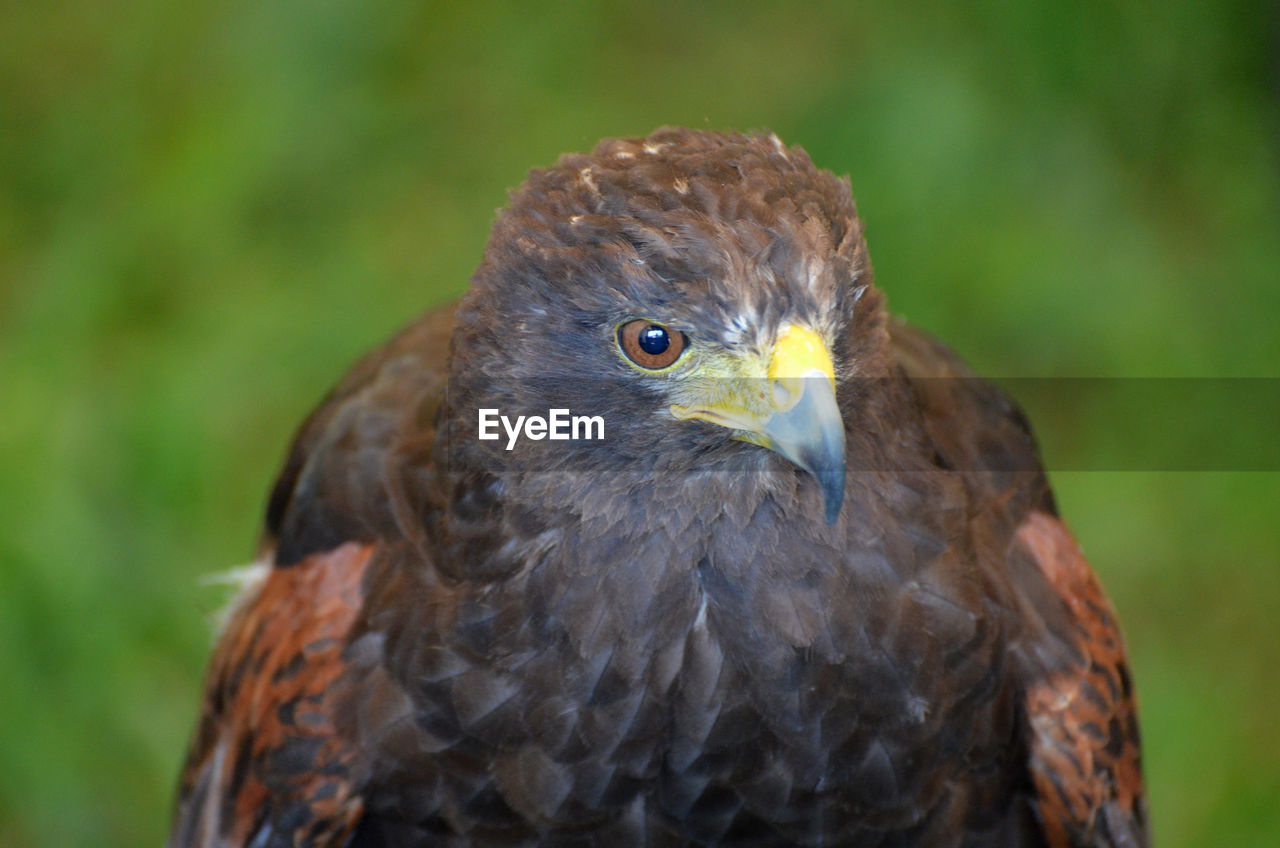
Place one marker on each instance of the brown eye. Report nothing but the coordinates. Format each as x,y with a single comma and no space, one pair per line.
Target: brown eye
650,345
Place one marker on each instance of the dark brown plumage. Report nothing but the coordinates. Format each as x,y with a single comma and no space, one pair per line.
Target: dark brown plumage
809,589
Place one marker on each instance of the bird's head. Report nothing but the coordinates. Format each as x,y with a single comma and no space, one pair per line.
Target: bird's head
698,290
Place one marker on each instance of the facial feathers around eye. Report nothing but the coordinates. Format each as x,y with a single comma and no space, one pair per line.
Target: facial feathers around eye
667,534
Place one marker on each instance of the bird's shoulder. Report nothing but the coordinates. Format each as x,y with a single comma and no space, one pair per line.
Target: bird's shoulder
972,424
1077,697
337,483
272,762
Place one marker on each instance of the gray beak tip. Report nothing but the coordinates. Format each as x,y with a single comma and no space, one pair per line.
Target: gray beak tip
832,485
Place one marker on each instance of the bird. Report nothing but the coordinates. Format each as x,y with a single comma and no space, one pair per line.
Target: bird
797,579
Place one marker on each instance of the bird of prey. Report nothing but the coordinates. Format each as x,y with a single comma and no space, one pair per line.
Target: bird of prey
801,583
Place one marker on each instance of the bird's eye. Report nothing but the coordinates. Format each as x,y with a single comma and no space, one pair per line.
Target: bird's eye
649,345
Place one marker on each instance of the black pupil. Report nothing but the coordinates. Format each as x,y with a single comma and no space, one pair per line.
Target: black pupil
654,340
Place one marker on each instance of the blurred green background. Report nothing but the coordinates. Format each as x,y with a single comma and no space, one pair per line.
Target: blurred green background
208,209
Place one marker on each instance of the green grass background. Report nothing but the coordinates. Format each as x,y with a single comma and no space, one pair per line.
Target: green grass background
208,209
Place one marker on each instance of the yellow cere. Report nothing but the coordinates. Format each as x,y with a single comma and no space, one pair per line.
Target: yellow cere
799,351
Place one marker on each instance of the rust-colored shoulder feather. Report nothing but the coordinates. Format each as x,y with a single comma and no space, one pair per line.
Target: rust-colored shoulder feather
266,766
1085,759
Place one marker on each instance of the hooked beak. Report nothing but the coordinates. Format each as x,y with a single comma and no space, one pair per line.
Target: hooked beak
796,416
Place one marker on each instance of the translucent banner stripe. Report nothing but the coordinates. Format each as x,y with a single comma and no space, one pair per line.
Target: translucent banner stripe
1081,424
